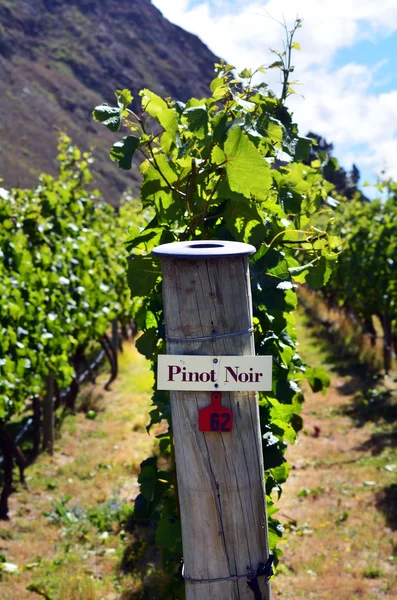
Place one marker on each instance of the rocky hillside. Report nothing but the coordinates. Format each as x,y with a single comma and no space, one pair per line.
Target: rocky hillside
60,58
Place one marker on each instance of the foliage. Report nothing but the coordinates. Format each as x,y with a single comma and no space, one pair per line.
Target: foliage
62,277
210,171
345,182
364,281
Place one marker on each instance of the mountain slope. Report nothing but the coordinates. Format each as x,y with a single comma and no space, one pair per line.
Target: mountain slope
60,58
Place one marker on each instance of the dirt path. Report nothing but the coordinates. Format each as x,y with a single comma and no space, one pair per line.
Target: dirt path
340,502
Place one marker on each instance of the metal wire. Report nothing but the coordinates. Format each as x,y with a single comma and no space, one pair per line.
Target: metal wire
264,569
249,574
208,338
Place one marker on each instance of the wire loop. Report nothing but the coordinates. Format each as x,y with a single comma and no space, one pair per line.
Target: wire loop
264,569
249,573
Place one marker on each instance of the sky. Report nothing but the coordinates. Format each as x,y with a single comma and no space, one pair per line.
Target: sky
347,66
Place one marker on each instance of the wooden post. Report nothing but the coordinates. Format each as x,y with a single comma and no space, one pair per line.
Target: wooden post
206,293
48,416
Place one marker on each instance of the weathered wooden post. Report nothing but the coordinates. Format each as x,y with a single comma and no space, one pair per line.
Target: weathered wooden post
208,311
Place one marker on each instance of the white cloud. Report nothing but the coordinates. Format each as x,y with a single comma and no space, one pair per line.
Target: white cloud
244,29
341,104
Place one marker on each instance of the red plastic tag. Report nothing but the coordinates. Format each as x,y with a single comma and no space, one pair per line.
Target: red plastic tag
215,417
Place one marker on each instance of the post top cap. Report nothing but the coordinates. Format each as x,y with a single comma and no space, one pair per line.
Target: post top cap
204,249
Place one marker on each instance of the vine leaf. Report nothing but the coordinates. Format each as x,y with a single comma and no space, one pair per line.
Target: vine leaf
143,272
318,379
124,98
197,118
157,107
147,343
319,274
168,534
275,532
123,151
246,170
110,116
280,473
302,148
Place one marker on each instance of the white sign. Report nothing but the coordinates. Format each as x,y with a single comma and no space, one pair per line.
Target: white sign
214,373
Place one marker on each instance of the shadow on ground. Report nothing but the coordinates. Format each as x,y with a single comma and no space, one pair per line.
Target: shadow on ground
379,442
386,502
375,405
340,357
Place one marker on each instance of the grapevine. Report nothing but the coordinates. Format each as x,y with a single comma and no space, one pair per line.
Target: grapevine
62,280
364,281
230,166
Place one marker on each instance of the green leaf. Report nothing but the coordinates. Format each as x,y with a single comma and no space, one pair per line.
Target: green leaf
150,320
302,148
124,98
157,107
281,473
247,171
286,431
197,118
282,412
143,272
164,443
275,532
243,217
278,64
218,156
168,534
245,73
149,238
248,106
318,379
221,92
123,151
147,343
110,116
319,274
217,83
156,192
294,271
273,451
